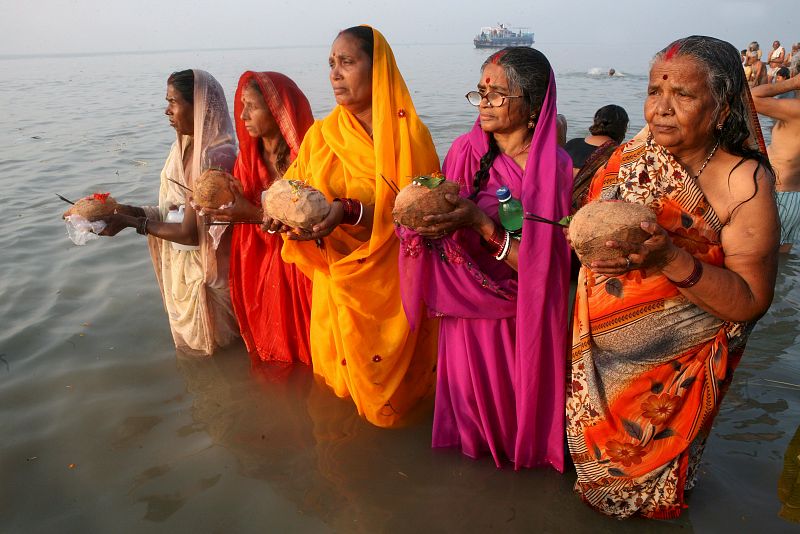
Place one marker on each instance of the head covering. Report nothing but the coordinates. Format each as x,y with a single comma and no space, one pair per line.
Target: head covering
357,316
291,110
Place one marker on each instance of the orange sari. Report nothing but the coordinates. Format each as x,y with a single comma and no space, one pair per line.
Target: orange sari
361,342
271,299
649,368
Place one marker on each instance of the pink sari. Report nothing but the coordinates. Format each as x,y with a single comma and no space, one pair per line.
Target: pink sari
500,389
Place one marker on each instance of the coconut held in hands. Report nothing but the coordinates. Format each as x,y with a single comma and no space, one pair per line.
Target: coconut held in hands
295,204
607,220
213,189
94,207
425,195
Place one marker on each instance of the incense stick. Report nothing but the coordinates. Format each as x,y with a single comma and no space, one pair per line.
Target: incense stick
180,185
68,201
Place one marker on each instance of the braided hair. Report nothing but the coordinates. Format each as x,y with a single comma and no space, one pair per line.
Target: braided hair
528,72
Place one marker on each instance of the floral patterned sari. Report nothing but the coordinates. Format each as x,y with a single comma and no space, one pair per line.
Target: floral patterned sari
649,368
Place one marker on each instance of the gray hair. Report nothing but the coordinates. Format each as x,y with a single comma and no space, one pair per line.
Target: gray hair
527,71
726,82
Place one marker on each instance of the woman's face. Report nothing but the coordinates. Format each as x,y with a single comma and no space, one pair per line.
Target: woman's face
351,74
180,112
679,107
513,115
257,117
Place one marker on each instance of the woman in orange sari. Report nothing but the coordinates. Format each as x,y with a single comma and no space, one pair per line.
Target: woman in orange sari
657,333
271,299
361,342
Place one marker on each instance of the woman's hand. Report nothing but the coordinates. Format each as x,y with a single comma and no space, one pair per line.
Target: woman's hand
323,228
241,210
116,222
465,214
656,252
271,226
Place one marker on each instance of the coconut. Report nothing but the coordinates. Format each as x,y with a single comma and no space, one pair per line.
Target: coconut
213,189
94,207
295,204
607,220
423,196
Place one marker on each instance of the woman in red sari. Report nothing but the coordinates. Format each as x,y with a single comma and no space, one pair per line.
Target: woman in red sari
271,299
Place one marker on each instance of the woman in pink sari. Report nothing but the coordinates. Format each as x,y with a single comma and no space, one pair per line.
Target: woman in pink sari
502,302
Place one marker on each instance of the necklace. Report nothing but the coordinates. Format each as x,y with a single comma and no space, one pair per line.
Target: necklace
703,166
521,150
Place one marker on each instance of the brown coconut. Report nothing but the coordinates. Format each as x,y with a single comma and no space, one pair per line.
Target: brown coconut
606,220
295,204
213,189
415,201
94,207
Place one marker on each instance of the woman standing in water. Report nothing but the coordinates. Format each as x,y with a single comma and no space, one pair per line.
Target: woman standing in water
191,272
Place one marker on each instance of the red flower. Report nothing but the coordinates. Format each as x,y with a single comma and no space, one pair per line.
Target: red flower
624,453
577,386
659,408
101,197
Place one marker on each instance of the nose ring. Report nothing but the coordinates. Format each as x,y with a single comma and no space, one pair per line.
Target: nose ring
670,110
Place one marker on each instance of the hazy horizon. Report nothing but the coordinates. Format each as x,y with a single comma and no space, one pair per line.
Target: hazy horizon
56,27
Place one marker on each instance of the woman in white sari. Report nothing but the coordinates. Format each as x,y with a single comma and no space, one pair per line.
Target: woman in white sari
192,273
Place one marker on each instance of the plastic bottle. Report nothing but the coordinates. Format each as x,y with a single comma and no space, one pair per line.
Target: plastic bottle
510,211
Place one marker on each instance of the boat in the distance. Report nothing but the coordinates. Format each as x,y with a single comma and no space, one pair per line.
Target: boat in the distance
501,36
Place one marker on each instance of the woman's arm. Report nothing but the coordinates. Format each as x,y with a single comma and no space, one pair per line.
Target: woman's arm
742,290
185,232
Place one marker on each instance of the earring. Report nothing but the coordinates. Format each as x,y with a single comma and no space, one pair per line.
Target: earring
719,127
532,121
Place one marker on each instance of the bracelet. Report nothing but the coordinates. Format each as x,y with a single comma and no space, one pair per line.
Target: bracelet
141,226
506,248
693,278
494,244
353,210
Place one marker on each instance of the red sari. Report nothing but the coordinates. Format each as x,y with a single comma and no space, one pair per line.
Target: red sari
271,299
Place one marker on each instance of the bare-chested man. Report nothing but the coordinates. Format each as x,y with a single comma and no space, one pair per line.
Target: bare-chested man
784,152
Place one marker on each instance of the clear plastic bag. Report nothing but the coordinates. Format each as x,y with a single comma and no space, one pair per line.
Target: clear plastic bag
80,230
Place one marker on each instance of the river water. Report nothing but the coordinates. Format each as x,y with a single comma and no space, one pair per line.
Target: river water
106,429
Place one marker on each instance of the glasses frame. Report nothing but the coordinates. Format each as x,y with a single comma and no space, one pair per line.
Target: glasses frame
486,97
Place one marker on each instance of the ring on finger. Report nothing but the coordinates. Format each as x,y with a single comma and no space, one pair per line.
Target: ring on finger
628,262
270,231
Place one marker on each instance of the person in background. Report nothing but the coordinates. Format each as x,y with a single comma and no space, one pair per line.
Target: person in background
191,272
371,143
784,151
561,124
272,299
776,58
659,331
758,71
502,302
590,153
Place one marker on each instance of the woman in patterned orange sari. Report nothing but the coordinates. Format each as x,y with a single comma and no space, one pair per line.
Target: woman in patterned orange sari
658,333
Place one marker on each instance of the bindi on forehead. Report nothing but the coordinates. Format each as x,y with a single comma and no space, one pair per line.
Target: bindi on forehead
665,77
488,80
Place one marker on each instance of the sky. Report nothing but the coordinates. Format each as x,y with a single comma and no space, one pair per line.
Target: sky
98,26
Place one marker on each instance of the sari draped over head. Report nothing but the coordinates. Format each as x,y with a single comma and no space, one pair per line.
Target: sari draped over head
503,335
649,367
194,283
361,342
272,299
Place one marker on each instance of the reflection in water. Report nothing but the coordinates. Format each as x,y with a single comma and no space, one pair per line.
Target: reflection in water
789,483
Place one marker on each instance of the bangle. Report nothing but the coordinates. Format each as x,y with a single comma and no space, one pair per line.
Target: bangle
353,210
693,278
506,248
141,226
494,244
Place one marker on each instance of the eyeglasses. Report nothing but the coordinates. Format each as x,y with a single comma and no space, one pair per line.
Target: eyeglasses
495,100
